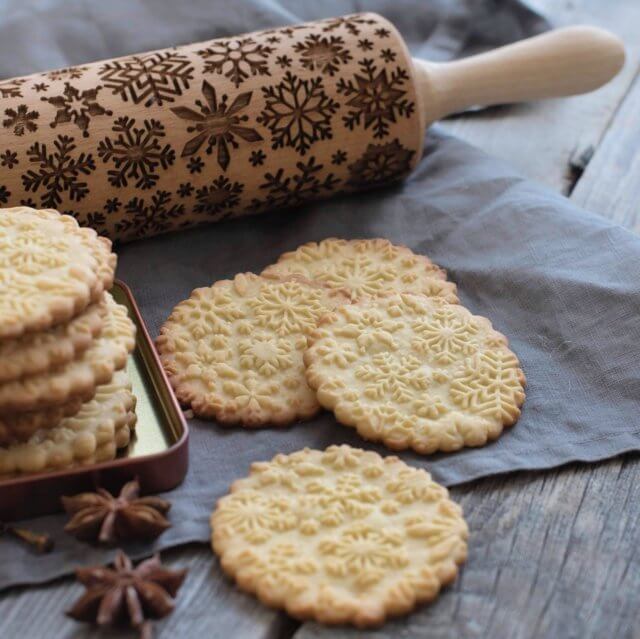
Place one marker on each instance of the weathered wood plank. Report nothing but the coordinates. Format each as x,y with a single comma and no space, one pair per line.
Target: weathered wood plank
551,555
544,140
207,606
610,184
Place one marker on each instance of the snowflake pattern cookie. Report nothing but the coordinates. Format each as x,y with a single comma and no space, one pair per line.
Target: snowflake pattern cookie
339,536
40,352
93,435
365,268
19,427
100,248
414,373
50,269
233,351
80,377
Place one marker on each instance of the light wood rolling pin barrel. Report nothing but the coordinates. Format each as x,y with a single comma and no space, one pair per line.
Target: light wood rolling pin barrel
160,141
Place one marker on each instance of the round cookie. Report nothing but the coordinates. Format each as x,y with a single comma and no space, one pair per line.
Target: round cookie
50,269
365,268
93,435
19,427
79,377
100,247
339,536
233,351
411,372
34,353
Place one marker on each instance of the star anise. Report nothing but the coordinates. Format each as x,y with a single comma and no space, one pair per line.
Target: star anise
101,516
127,594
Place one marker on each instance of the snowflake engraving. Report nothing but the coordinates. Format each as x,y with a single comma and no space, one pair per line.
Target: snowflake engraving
77,107
68,73
95,219
21,120
154,78
380,164
221,195
297,112
289,31
236,59
11,88
9,159
323,54
58,172
292,190
136,153
143,219
218,123
376,98
352,23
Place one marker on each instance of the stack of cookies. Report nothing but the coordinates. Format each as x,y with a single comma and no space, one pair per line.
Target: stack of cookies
364,328
65,399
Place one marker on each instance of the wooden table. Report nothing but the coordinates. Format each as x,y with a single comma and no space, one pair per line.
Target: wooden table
552,554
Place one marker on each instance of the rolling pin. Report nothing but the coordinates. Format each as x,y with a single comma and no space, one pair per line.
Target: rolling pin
164,140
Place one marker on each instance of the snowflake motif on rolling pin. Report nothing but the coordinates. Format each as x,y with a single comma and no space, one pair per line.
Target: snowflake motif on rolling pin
136,153
221,195
376,98
324,54
297,112
157,216
218,123
21,120
236,59
153,78
77,107
11,88
58,172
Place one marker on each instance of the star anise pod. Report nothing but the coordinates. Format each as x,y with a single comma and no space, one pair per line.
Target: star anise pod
127,594
101,516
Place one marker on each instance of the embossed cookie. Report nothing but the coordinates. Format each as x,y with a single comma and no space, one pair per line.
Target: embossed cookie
94,434
365,268
339,536
414,373
234,351
99,246
79,377
19,427
50,269
33,353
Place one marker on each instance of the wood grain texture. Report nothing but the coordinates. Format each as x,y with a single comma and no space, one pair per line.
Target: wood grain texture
207,606
610,184
548,141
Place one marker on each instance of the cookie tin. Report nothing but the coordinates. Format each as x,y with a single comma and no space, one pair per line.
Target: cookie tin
157,454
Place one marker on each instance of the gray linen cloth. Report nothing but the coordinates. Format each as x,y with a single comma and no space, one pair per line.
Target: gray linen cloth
561,283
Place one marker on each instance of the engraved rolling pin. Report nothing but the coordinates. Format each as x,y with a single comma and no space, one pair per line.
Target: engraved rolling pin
164,140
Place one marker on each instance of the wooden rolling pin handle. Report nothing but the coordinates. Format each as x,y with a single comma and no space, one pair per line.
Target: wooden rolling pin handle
562,62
